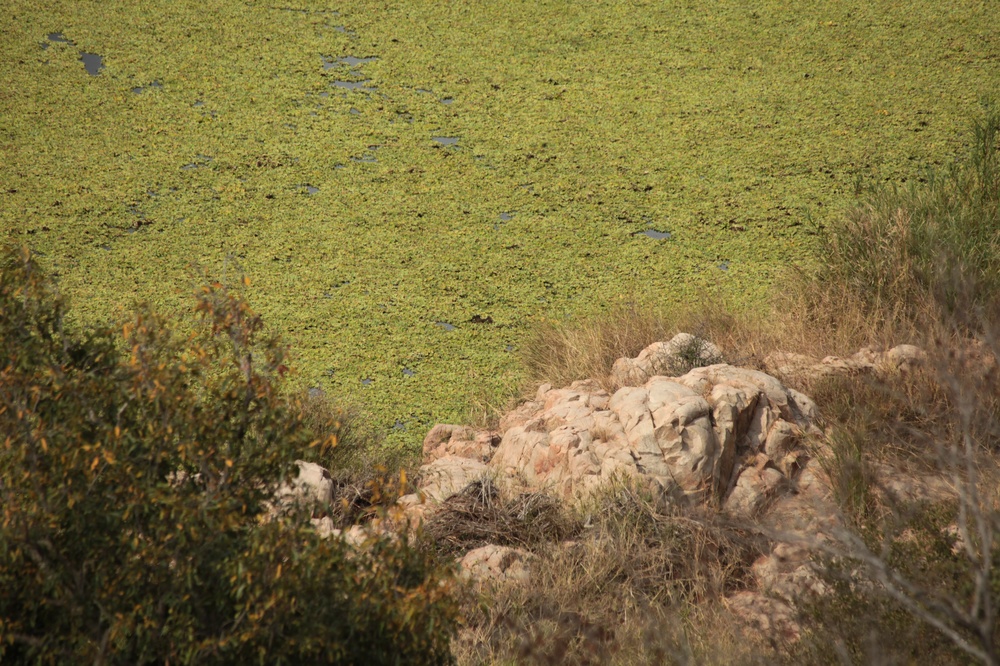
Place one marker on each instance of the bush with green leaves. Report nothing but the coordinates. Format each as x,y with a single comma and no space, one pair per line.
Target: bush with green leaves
136,469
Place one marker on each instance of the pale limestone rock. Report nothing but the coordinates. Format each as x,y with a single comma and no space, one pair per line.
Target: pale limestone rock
805,406
449,475
462,441
354,536
682,433
312,486
809,509
911,487
755,487
789,573
499,564
661,358
520,415
781,440
669,431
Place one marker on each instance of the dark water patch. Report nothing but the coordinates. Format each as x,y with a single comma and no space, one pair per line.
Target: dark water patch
354,61
447,100
58,37
445,325
325,93
399,425
199,161
654,234
106,248
724,266
367,157
423,91
506,217
92,62
360,86
354,112
155,85
311,189
198,104
338,165
367,381
446,140
480,319
408,373
509,348
315,392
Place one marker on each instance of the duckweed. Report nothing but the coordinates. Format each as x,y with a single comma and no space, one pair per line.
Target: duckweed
740,129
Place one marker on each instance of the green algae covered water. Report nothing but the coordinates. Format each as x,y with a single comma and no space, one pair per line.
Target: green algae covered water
408,185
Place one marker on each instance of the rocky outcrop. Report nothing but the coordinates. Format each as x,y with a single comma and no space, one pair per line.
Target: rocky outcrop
902,358
680,435
729,436
770,617
449,475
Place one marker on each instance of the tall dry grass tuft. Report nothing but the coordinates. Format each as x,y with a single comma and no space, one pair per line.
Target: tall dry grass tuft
921,266
562,352
907,265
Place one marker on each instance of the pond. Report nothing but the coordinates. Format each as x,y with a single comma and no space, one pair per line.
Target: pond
413,190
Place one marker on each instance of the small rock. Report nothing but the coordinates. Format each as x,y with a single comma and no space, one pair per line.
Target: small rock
500,564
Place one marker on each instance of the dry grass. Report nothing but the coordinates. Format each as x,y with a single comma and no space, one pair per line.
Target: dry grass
481,514
627,590
560,353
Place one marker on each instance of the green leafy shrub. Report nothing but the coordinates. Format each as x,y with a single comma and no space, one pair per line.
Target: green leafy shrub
136,467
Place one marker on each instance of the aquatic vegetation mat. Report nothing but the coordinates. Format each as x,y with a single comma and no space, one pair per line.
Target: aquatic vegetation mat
407,187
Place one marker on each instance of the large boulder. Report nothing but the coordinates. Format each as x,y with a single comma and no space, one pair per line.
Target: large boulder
688,436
